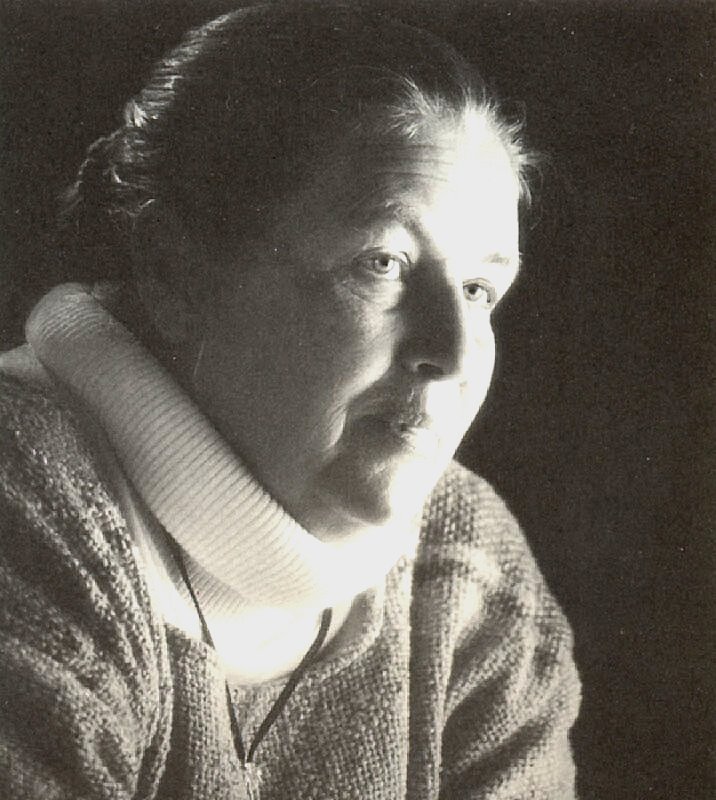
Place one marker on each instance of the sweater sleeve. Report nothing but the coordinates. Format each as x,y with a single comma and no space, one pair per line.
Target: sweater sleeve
511,689
83,675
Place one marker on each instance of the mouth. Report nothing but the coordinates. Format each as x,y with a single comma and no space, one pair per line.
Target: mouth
403,423
415,434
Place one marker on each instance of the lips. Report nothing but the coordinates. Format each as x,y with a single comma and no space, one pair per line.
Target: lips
411,420
418,437
408,431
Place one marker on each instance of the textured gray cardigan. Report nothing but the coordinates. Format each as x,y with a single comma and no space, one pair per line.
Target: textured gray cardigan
460,683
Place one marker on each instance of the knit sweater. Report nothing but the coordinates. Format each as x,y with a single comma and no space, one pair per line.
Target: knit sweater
459,684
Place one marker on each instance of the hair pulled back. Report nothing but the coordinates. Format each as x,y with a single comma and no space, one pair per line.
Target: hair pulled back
230,119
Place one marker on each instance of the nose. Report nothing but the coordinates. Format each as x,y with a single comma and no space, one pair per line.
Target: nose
440,339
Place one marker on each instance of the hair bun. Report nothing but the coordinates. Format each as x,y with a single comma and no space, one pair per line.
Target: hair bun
95,174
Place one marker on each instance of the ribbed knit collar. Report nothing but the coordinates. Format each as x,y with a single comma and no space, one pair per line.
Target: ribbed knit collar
188,476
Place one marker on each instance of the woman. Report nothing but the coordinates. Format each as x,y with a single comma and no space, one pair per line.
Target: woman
238,558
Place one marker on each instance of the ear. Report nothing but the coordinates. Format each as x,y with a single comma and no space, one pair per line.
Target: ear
163,262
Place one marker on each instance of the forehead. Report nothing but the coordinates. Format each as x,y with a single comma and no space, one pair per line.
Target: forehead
453,181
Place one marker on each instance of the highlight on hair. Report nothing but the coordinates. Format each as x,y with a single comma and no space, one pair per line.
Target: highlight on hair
232,118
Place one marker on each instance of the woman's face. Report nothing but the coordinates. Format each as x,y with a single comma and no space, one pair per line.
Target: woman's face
353,345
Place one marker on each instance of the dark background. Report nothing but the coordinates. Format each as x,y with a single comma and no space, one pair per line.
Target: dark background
598,428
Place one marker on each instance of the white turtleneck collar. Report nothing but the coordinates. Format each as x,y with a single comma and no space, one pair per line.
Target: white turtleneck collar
188,476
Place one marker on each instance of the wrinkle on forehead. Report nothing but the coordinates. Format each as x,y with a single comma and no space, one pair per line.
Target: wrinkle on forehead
460,180
460,156
399,189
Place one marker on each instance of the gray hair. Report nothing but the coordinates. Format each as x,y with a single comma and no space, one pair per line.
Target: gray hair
231,119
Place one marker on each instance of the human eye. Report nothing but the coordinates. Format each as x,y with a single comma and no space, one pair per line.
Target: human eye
383,265
482,293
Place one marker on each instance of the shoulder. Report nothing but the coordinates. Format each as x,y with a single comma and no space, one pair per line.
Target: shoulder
488,632
67,561
466,521
80,649
473,552
56,504
50,474
36,420
465,504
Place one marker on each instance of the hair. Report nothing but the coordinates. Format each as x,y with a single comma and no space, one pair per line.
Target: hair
232,118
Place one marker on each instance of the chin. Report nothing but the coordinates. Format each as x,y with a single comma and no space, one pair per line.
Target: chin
374,497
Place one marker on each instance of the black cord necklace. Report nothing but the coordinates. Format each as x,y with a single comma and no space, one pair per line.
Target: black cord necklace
249,770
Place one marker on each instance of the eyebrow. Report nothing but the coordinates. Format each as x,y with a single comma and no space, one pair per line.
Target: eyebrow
378,204
503,260
375,203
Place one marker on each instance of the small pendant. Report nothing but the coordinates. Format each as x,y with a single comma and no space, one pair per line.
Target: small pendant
252,780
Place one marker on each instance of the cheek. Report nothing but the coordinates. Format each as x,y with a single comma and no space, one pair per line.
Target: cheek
304,352
480,369
342,337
